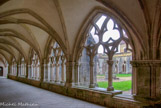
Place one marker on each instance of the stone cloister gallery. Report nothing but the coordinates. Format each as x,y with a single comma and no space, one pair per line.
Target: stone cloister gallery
71,46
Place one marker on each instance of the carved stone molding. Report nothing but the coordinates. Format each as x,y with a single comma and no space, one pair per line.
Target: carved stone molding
110,62
70,63
146,63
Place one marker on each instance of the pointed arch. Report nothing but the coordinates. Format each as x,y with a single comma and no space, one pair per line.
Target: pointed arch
17,35
47,27
17,47
94,15
2,54
8,51
2,60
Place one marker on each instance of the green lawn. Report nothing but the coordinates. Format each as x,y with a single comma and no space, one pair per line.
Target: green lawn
101,75
123,85
117,75
123,75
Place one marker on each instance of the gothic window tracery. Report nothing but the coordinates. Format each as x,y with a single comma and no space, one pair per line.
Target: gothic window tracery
103,40
22,68
34,72
55,71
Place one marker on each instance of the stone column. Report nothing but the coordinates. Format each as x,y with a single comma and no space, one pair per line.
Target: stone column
13,72
76,73
110,64
17,70
28,66
35,68
16,73
45,72
9,70
48,65
29,71
147,78
134,77
62,72
57,72
12,69
21,72
41,71
25,70
38,71
51,72
91,85
32,71
69,71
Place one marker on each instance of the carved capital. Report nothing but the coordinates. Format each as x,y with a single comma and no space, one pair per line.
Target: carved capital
76,64
57,65
70,63
110,62
146,63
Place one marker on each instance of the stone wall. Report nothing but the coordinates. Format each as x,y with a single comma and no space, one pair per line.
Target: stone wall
109,99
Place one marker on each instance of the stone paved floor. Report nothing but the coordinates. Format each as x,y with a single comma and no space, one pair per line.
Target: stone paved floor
21,95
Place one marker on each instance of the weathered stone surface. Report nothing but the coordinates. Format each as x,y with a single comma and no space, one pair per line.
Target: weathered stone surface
109,99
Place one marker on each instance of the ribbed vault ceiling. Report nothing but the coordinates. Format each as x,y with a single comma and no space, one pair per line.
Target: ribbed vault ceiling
27,24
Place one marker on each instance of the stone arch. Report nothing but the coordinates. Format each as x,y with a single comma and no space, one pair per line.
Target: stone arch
19,36
55,62
93,15
47,47
30,54
47,27
8,51
34,62
14,67
2,54
21,66
18,48
1,59
92,50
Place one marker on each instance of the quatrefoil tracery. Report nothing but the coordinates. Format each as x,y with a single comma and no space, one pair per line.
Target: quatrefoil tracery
107,34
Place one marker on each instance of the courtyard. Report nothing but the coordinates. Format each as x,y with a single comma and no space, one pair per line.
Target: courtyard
120,82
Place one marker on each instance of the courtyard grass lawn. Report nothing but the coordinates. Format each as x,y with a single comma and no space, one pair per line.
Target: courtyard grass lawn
123,85
123,75
117,75
100,75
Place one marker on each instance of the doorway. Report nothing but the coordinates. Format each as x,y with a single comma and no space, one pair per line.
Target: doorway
1,71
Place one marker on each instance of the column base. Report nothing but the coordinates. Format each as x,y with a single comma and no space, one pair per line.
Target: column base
92,86
51,80
62,82
57,81
68,84
76,84
110,89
